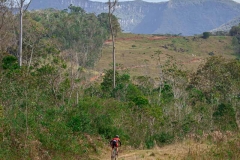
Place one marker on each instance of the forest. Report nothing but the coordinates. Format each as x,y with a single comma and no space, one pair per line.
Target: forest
50,110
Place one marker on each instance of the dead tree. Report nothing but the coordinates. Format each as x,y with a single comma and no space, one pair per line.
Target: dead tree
111,9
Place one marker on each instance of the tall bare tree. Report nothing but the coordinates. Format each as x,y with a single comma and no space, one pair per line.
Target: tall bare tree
22,5
111,9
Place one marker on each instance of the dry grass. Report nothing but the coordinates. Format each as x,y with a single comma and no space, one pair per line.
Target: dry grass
193,147
136,53
176,151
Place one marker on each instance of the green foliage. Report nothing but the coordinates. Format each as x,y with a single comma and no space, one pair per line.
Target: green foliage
122,85
1,111
224,117
80,122
154,111
236,43
75,9
195,96
10,62
188,124
46,104
159,139
132,92
107,84
163,138
140,100
206,35
215,78
84,33
166,93
235,30
108,130
149,142
104,21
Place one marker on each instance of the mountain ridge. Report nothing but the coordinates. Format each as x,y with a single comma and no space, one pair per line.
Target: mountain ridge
227,26
171,17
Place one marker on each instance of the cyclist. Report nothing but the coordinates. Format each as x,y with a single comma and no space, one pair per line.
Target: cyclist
115,142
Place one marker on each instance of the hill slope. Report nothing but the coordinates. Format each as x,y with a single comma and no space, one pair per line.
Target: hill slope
227,26
188,17
137,53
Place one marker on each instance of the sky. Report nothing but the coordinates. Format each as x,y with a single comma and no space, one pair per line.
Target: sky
147,0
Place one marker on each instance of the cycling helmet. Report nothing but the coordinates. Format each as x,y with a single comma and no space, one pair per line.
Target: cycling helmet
117,136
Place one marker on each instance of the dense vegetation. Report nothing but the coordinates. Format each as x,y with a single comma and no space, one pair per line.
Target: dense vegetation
49,111
235,32
48,31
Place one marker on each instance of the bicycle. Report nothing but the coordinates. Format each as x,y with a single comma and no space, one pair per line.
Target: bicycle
114,154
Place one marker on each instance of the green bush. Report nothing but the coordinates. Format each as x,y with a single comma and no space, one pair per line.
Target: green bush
149,142
163,138
206,35
160,139
80,122
224,117
10,62
140,100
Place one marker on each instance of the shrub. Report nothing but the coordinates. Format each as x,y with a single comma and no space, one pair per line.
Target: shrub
224,117
10,62
79,123
206,35
149,142
163,138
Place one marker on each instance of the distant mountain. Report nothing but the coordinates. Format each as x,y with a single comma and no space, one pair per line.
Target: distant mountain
187,17
227,26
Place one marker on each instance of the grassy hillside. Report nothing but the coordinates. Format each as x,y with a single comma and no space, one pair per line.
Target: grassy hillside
137,53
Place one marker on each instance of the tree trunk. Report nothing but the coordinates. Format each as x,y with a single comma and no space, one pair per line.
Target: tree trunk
21,10
20,33
111,8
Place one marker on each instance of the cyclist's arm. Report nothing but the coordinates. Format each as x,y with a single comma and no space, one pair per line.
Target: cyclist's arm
120,143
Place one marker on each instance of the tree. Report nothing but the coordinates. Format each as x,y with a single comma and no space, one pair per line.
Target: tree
33,40
104,21
111,9
206,35
22,6
218,82
75,9
3,12
235,30
7,24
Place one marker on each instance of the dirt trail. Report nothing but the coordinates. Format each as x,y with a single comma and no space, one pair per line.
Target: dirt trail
176,152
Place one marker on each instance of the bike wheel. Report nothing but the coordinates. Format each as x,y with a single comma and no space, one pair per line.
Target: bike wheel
114,154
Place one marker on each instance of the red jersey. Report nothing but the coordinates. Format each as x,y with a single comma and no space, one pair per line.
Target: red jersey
115,142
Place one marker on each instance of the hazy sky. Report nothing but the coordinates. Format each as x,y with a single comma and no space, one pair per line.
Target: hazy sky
148,0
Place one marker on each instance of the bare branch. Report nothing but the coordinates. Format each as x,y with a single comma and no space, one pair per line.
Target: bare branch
3,15
28,5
